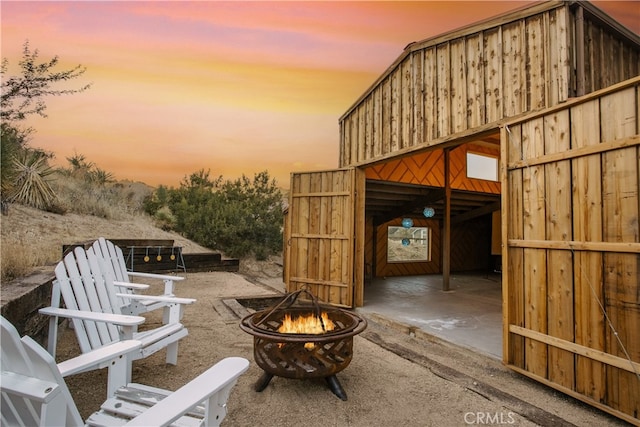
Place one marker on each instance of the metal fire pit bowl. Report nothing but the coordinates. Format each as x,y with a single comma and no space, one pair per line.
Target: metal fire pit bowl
285,355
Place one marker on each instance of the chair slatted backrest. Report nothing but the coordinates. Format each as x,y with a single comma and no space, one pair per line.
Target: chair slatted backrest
113,261
85,290
106,292
113,266
33,391
116,256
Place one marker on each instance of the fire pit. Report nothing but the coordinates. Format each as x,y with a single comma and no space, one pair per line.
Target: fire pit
319,350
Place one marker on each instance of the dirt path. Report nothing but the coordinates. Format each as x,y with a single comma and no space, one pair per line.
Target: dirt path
393,379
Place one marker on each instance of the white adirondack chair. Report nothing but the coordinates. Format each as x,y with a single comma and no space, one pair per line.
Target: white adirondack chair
34,392
91,304
114,268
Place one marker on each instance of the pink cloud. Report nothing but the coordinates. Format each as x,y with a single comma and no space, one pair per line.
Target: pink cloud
236,87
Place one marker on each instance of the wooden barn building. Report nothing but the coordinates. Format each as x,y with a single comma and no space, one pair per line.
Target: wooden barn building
513,142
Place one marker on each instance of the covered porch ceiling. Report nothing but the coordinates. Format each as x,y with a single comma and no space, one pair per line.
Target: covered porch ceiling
386,200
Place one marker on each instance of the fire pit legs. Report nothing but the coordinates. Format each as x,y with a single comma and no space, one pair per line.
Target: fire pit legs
263,382
332,382
336,387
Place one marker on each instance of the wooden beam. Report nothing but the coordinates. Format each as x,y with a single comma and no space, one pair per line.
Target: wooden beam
600,356
572,245
603,147
359,184
446,224
484,210
374,251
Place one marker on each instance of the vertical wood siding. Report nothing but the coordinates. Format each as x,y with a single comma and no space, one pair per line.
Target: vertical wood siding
571,208
320,235
448,85
608,60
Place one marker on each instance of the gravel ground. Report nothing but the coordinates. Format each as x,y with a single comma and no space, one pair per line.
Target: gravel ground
393,378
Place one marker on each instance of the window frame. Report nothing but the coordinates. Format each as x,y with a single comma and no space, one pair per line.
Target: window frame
483,176
427,238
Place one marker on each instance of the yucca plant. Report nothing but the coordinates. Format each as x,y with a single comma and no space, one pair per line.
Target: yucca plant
13,141
99,176
32,176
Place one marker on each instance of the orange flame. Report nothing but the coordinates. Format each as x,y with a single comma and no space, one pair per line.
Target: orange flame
309,324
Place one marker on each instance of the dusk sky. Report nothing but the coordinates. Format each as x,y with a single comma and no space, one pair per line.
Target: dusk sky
231,87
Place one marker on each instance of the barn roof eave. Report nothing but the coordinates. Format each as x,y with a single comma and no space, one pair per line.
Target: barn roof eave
491,22
484,24
608,21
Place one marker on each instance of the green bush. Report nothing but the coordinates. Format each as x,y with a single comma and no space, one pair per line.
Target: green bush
165,219
241,217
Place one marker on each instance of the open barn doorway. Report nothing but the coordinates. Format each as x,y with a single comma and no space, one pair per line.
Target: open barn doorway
432,242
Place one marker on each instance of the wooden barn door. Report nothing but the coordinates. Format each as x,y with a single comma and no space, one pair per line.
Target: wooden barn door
325,235
571,248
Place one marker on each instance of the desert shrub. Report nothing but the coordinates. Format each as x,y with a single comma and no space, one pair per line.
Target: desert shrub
156,201
13,142
238,217
32,180
109,200
82,188
23,256
26,174
164,219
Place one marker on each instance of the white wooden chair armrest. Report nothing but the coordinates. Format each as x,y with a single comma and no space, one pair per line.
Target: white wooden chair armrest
167,299
129,324
173,307
113,356
97,357
31,388
167,279
203,387
155,276
116,319
136,286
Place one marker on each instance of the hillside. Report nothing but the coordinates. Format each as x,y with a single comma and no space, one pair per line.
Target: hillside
34,237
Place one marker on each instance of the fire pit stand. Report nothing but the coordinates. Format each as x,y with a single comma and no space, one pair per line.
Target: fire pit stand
302,356
332,382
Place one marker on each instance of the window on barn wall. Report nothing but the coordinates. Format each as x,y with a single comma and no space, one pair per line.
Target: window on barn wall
482,166
408,244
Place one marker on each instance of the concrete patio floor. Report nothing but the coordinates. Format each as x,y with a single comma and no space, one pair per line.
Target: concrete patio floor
469,314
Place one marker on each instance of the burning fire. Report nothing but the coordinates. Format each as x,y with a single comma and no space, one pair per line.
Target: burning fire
309,324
